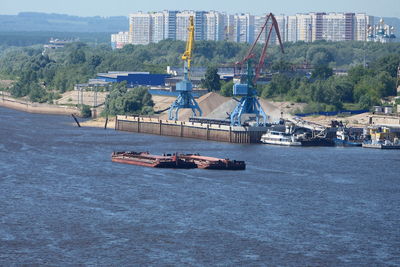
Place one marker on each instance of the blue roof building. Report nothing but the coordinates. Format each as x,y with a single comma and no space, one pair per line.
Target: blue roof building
134,78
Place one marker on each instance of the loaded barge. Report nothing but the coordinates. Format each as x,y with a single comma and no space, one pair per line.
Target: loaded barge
154,161
176,161
211,163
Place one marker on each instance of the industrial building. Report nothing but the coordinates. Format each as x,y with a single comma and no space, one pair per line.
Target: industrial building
134,78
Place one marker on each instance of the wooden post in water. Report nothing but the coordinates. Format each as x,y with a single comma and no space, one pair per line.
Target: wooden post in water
76,120
105,124
181,129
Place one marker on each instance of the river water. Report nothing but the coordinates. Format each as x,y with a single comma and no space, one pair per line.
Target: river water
63,202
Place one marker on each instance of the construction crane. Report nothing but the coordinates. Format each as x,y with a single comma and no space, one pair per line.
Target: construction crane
246,88
184,87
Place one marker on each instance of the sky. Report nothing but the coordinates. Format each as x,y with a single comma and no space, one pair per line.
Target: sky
106,8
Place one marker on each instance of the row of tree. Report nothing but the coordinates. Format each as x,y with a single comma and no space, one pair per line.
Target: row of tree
42,77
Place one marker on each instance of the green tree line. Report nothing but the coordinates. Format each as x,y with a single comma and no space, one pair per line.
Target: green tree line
43,76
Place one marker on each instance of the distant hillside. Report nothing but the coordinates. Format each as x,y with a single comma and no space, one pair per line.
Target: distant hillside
32,21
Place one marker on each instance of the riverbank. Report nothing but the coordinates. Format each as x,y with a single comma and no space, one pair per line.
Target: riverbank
99,123
26,106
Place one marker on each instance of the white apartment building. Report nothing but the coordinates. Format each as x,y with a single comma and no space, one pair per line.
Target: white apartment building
215,26
291,29
334,27
146,28
229,28
243,28
140,28
157,27
119,40
182,24
304,27
362,24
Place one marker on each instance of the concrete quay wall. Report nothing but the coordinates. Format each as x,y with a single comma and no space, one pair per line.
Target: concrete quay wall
213,132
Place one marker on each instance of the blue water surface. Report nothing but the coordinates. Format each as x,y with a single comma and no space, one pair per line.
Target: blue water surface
63,202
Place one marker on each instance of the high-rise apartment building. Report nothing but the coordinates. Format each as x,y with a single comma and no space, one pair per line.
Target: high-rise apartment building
243,28
182,24
140,28
215,26
153,27
291,29
304,27
229,28
362,24
338,27
157,27
200,25
170,24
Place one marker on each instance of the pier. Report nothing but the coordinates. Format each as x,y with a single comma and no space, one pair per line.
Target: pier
205,131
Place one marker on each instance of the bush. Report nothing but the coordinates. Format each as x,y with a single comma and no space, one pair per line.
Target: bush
85,111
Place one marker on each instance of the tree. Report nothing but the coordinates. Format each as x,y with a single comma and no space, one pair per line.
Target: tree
133,101
212,79
321,72
227,89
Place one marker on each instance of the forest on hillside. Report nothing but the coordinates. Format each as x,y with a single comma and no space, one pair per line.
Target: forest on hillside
43,76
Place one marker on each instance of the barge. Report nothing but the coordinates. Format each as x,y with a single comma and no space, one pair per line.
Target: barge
211,163
154,161
176,161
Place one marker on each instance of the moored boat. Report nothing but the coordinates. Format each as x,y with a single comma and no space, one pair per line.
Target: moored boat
279,138
317,141
343,139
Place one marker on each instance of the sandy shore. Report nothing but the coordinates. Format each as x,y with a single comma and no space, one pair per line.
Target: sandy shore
17,104
99,122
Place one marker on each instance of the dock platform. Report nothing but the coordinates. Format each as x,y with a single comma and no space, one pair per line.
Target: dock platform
204,131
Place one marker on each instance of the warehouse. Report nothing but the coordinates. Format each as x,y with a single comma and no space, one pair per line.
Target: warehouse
134,78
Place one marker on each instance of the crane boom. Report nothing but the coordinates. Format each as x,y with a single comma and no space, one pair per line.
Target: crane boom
184,87
251,54
249,103
187,55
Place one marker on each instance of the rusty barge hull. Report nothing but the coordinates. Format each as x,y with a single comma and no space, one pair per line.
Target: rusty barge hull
153,161
211,163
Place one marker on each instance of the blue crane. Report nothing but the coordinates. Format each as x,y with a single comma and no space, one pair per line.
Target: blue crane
184,87
246,88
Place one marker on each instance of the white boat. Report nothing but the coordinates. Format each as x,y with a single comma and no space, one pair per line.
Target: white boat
279,138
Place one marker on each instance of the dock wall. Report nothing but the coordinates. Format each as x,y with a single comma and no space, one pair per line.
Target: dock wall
213,132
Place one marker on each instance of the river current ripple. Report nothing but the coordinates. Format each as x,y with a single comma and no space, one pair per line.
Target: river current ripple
63,202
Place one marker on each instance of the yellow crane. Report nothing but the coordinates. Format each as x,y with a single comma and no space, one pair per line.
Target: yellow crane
187,55
184,87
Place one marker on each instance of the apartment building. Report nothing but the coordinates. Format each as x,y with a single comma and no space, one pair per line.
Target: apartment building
215,26
153,27
243,28
362,24
140,28
119,40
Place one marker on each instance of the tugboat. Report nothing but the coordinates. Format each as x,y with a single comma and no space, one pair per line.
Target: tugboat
154,161
343,139
211,163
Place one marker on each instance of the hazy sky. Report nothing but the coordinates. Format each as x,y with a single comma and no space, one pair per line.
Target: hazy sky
386,8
